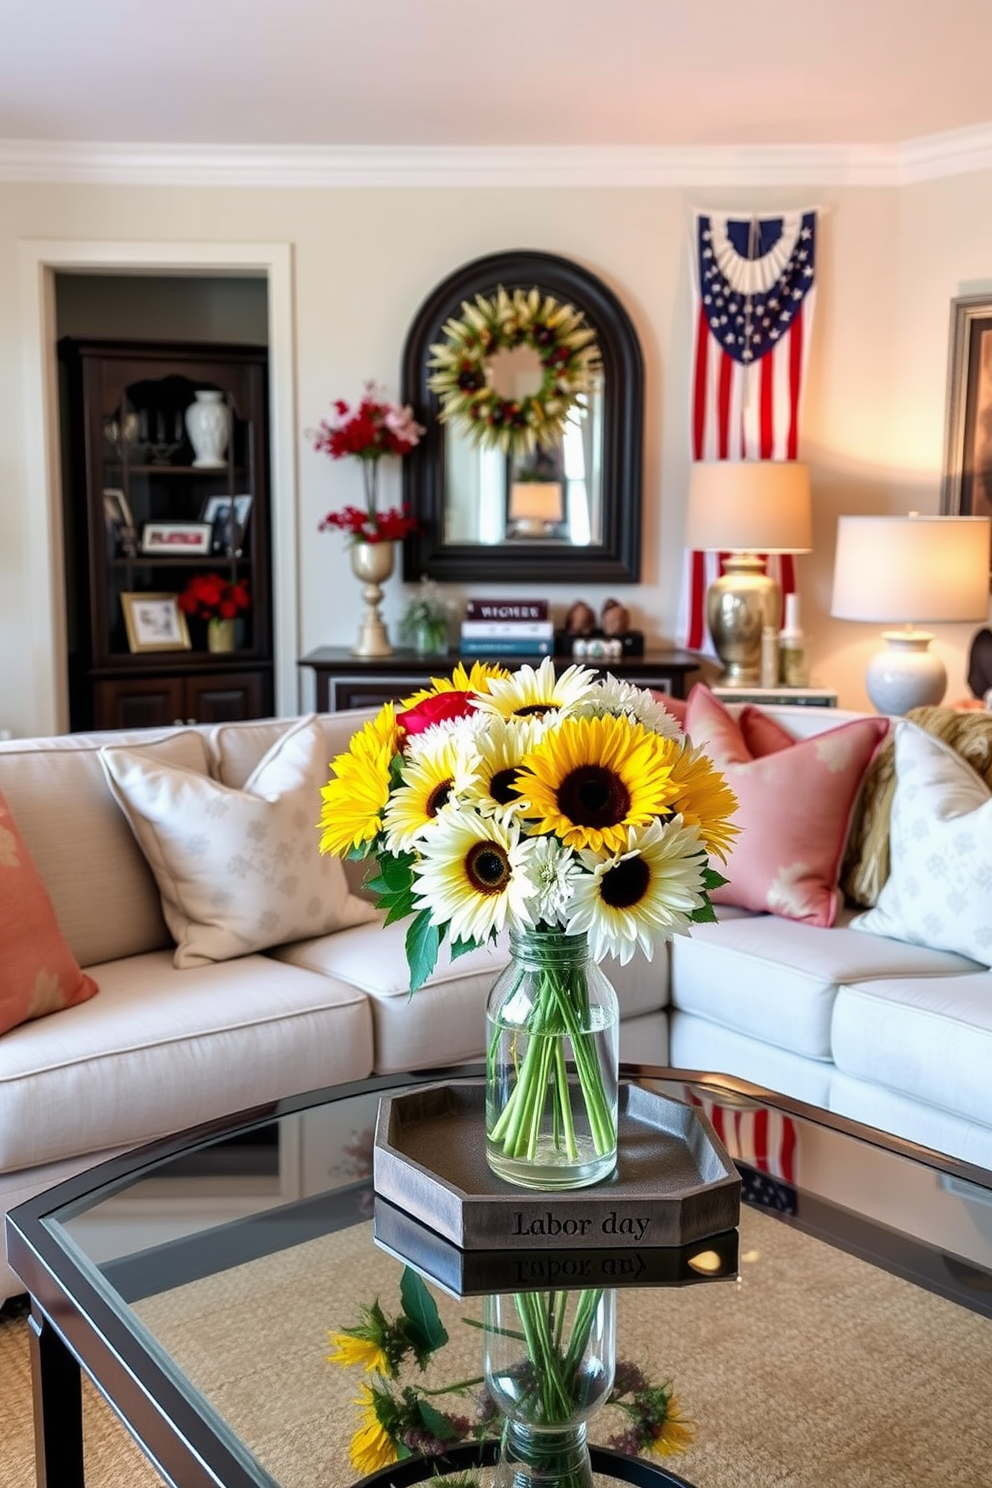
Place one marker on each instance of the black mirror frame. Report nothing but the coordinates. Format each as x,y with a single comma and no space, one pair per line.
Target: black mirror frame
617,559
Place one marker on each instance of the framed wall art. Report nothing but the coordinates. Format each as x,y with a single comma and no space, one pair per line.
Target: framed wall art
154,622
967,483
176,537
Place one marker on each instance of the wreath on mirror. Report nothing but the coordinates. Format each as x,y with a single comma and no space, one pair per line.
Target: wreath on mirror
566,348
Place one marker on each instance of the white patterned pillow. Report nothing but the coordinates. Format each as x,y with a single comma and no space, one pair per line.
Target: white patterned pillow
939,889
238,870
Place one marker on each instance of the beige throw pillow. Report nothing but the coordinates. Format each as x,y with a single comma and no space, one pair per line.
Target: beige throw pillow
238,870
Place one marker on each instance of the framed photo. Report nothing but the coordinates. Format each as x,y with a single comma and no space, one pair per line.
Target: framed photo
154,622
967,486
116,509
228,535
175,537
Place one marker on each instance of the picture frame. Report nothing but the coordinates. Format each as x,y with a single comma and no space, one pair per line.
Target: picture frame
967,480
154,622
121,536
226,537
179,538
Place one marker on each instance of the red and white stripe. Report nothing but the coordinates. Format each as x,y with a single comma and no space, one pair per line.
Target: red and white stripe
741,412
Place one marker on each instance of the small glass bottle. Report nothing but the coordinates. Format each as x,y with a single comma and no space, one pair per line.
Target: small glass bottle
769,657
793,664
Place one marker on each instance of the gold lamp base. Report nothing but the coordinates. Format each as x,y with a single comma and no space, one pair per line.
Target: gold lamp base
739,604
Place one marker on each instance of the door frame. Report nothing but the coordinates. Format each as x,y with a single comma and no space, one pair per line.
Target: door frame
39,261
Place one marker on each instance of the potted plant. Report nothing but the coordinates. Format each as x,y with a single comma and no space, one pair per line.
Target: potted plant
217,600
424,622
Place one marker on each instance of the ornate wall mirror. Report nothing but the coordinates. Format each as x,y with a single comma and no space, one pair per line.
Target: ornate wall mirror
531,465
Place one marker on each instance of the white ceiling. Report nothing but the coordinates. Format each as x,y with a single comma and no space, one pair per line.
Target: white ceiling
429,73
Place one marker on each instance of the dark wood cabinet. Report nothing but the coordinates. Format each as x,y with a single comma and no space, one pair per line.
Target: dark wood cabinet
146,512
348,681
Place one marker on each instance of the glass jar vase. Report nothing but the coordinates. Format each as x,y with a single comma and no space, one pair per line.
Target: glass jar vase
552,1060
549,1362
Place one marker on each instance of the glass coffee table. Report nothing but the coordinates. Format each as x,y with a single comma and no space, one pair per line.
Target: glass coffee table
846,1338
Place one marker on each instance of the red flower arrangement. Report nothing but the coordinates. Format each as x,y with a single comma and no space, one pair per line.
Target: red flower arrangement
212,597
368,432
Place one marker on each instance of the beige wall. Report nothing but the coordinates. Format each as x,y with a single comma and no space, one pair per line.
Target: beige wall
872,429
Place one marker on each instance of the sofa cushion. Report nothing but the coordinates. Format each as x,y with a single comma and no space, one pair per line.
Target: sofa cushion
794,804
866,859
238,870
444,1022
105,897
939,888
158,1051
929,1037
777,979
917,1121
38,972
698,1044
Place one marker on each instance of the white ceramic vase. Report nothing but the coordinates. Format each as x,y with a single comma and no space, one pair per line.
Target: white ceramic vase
208,427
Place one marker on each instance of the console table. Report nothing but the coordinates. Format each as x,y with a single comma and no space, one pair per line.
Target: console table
348,681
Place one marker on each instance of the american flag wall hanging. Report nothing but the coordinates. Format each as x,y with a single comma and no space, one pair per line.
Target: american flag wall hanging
754,290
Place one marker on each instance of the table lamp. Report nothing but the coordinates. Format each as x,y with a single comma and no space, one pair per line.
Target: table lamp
747,509
535,507
910,569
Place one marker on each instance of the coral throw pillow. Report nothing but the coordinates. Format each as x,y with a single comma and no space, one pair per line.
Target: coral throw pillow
38,972
795,799
675,706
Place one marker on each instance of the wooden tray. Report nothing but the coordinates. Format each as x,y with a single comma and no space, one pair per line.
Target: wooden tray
478,1273
674,1182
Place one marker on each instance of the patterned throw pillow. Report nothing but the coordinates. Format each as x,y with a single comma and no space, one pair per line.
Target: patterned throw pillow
794,805
238,870
38,972
939,889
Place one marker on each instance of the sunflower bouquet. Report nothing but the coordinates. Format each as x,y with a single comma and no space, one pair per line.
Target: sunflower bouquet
555,807
539,1377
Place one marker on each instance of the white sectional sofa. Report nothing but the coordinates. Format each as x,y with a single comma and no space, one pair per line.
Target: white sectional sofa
874,1028
159,1048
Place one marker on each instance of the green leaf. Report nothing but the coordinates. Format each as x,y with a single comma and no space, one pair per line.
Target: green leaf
704,915
462,947
424,1327
439,1426
422,943
713,880
395,873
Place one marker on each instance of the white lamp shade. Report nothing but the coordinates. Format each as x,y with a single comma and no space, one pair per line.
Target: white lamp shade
536,501
749,506
912,569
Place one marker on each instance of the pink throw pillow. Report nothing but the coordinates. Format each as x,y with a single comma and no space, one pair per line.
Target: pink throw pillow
795,798
38,972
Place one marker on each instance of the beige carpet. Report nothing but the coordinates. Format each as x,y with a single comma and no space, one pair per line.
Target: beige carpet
811,1370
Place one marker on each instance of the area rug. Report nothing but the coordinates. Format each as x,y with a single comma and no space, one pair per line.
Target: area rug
811,1370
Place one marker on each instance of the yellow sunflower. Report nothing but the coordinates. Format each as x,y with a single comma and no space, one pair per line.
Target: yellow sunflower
354,799
673,1433
703,798
463,679
590,779
434,779
533,692
350,1350
371,1447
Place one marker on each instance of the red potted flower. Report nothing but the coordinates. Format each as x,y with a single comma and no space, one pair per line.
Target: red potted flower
212,597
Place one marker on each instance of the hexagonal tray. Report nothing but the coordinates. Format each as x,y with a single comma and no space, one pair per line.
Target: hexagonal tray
674,1182
478,1273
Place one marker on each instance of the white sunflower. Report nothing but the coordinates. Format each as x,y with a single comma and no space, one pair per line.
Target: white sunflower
501,744
553,869
623,699
473,875
537,692
642,896
441,774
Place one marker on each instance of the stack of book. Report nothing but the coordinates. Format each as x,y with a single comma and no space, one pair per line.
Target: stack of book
507,627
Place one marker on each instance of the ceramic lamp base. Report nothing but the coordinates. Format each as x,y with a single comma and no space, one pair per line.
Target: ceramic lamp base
907,674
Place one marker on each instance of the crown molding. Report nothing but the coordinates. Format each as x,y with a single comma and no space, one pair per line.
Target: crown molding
94,163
